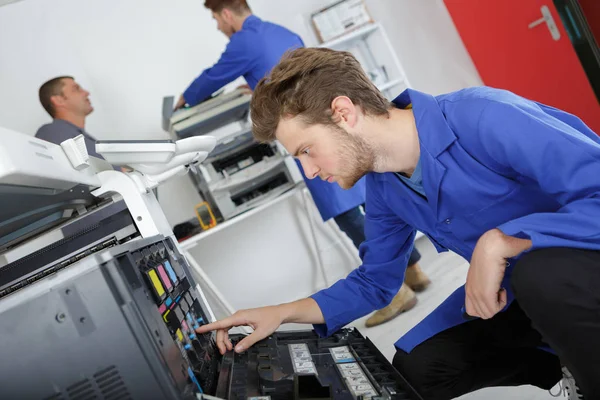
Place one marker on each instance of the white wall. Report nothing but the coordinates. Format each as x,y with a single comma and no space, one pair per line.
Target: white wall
127,53
427,43
130,53
422,33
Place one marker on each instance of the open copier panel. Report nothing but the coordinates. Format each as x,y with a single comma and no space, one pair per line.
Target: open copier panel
120,324
116,324
300,365
168,280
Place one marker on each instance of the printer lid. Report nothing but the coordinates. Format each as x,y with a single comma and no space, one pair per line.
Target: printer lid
39,188
43,184
207,116
168,108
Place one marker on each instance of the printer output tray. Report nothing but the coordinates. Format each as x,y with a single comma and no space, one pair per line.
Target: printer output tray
300,365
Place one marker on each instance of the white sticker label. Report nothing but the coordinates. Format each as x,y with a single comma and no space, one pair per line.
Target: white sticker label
306,371
341,354
301,364
260,398
367,394
301,359
300,354
299,346
356,380
343,349
353,373
349,367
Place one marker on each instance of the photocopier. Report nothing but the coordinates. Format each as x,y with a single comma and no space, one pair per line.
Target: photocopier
240,173
97,301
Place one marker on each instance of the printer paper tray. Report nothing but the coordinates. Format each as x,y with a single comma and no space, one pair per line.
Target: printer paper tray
247,175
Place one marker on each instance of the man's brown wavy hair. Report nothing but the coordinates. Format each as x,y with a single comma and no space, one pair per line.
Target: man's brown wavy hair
304,84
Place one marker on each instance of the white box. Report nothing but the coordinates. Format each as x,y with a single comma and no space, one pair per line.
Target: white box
340,18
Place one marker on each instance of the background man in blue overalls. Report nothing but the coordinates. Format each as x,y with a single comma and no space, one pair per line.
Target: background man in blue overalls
509,184
256,46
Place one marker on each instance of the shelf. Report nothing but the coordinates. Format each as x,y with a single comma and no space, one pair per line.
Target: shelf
247,174
357,34
193,241
389,84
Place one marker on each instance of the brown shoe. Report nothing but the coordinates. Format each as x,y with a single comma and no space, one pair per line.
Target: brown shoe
403,301
415,278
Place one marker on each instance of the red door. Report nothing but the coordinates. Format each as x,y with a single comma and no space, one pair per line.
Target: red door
522,46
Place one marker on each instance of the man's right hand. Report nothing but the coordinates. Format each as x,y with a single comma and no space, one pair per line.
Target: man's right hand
245,89
180,103
263,320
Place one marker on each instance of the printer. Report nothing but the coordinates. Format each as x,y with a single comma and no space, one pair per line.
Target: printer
240,173
97,301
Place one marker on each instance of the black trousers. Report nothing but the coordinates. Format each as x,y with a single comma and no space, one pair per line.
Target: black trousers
557,303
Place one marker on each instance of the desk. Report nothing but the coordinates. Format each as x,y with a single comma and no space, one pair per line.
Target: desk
192,241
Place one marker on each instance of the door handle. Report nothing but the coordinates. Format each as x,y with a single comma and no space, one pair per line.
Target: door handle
547,18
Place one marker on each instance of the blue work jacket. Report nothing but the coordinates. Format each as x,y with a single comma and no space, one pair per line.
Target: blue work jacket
252,52
490,159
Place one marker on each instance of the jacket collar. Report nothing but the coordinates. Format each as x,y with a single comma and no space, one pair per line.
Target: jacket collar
435,136
250,20
434,133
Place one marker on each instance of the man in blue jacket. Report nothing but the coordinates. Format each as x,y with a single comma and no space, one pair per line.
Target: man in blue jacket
256,46
509,184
